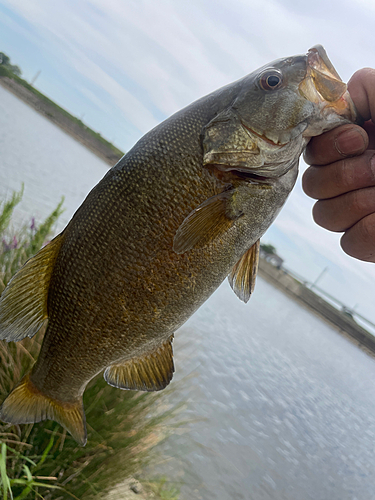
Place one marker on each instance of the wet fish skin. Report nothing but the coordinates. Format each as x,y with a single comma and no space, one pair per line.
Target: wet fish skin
154,239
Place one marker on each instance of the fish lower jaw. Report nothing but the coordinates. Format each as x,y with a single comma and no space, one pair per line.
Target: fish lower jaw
331,115
330,120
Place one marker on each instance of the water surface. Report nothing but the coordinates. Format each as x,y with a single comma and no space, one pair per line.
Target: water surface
49,162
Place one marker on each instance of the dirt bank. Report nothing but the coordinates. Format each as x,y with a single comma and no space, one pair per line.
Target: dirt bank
63,119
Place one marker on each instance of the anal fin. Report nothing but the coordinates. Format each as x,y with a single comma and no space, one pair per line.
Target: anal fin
151,372
26,405
243,275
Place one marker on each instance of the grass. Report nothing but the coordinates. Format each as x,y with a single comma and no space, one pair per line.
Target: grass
163,489
42,460
7,73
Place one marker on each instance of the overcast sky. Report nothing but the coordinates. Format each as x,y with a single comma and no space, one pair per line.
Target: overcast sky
125,65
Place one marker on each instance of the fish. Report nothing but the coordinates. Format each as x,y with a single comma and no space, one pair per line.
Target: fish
181,211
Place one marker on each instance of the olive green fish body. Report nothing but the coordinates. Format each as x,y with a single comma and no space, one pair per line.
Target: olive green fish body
117,280
181,211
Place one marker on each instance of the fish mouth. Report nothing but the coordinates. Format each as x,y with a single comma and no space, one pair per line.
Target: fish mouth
264,137
323,86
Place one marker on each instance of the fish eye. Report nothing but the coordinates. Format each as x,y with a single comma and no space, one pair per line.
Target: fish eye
270,80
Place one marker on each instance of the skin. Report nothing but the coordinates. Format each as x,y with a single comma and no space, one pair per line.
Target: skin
342,174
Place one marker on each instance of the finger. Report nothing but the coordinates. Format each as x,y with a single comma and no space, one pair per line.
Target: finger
359,240
370,129
340,213
339,143
340,177
361,88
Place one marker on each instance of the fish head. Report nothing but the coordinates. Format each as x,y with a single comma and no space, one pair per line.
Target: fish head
276,111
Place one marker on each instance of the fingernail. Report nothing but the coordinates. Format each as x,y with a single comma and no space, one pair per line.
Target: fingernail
350,142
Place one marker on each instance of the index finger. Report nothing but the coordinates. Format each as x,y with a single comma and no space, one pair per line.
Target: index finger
361,87
339,143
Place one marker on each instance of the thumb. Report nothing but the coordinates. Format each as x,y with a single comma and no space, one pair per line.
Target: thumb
361,88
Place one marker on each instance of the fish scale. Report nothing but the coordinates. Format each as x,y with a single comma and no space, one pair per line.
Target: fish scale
160,232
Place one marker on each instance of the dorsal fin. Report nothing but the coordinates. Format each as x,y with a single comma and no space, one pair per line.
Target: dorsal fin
23,304
243,275
151,372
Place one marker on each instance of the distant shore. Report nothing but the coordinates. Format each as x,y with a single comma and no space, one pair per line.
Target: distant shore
307,297
67,122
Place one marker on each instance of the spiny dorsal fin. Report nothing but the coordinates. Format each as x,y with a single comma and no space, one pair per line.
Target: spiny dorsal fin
152,372
243,275
23,304
26,405
204,224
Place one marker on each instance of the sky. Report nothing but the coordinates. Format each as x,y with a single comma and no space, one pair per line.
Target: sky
124,66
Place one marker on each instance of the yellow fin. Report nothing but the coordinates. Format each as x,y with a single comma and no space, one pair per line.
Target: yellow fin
152,372
204,224
26,405
243,275
23,304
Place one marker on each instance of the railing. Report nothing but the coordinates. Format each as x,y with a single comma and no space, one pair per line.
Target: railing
333,300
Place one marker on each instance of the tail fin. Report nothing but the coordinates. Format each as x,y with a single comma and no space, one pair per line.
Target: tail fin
26,405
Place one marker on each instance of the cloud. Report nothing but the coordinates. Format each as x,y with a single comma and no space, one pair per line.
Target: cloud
165,54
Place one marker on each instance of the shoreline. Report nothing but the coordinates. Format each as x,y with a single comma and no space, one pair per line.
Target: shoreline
344,324
68,123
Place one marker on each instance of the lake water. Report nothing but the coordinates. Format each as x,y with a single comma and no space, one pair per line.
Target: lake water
281,406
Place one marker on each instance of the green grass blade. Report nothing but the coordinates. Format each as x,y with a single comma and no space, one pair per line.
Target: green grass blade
24,493
23,457
8,208
28,473
3,472
46,451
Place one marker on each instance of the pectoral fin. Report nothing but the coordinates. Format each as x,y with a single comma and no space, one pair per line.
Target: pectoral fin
207,222
23,304
243,275
152,372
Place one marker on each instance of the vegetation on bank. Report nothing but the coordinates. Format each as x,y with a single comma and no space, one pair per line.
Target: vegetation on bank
5,63
14,73
268,249
42,461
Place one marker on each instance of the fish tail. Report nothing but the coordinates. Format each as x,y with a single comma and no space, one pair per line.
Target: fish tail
26,405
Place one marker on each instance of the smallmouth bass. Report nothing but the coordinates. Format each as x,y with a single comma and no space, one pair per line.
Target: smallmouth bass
181,211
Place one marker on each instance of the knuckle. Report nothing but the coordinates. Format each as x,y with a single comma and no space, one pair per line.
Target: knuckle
344,176
362,201
358,202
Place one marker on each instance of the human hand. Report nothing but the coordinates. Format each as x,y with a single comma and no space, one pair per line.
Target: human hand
342,174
